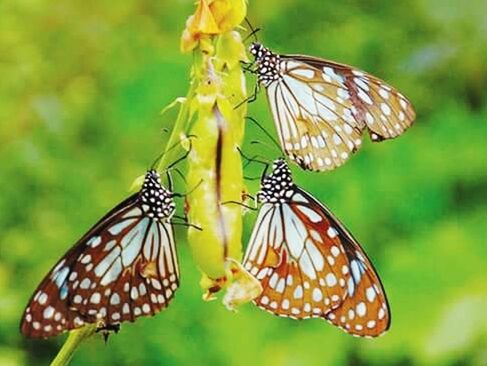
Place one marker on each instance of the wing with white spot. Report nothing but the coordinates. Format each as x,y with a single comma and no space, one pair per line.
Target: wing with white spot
124,267
321,108
292,252
309,265
365,311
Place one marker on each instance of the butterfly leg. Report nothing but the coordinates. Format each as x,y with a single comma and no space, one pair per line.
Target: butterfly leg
252,98
251,119
189,192
185,222
240,204
177,144
107,329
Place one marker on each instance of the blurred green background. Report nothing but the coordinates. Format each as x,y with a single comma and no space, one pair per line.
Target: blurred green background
81,86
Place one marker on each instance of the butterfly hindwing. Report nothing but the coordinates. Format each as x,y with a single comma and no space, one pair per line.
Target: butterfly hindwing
365,310
386,112
124,279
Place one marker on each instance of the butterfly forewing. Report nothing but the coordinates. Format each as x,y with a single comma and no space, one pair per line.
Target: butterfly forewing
130,272
123,268
321,108
299,268
313,117
308,264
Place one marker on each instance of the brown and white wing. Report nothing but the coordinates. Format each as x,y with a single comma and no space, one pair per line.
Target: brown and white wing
321,109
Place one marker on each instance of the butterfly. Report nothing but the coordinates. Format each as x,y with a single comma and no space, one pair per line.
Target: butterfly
124,267
308,263
321,108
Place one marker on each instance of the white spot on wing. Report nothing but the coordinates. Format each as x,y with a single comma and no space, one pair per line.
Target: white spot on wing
310,214
117,228
305,73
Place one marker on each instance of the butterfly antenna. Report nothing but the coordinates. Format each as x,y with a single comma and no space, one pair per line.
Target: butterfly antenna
266,133
255,159
253,31
170,182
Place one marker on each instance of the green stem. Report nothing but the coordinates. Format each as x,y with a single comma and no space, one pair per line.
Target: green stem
72,342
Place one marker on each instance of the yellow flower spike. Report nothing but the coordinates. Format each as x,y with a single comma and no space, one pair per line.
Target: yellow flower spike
215,166
215,173
203,21
214,162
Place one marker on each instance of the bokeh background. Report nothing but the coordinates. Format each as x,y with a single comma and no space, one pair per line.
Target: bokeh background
81,87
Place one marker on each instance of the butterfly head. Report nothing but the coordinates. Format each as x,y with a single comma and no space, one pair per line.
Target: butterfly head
257,50
157,201
277,186
267,63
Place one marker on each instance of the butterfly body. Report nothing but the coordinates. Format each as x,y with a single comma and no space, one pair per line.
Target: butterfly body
123,268
308,264
321,108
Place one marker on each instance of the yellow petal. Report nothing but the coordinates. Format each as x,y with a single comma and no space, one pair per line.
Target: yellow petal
203,21
228,13
243,288
212,17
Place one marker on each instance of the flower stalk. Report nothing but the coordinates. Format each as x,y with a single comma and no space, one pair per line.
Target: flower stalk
214,162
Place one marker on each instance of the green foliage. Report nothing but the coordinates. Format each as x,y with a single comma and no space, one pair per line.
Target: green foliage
81,85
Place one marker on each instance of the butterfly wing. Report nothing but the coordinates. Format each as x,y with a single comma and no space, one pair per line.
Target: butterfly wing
321,108
386,112
124,267
302,242
299,269
365,311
